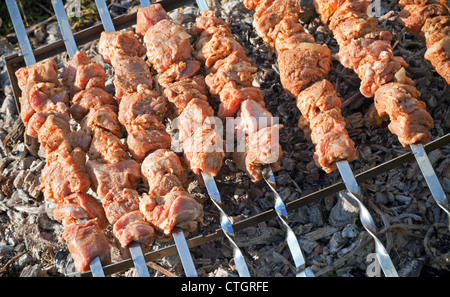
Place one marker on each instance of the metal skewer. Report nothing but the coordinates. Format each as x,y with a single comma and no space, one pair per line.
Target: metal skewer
291,238
225,224
431,178
27,51
135,248
366,219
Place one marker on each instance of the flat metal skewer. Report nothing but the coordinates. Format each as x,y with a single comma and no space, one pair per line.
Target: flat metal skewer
291,238
27,51
366,219
134,247
431,178
225,224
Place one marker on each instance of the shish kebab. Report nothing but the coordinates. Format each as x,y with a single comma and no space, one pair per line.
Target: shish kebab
167,206
429,20
230,76
96,111
170,53
365,48
44,110
303,66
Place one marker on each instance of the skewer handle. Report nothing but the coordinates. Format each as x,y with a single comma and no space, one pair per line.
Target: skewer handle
366,219
202,5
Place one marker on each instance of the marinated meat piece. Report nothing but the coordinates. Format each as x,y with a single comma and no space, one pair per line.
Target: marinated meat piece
107,148
302,65
80,206
47,97
116,176
196,114
148,16
88,99
374,63
103,118
119,202
204,150
409,119
54,133
87,241
230,69
178,71
42,72
130,73
144,101
289,33
167,44
180,93
82,74
252,116
160,163
271,12
232,99
64,174
437,36
261,148
414,16
175,209
119,43
326,8
133,227
146,134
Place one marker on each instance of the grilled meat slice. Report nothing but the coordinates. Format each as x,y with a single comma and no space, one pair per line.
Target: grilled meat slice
119,43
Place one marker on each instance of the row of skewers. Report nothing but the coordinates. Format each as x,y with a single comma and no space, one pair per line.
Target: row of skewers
114,168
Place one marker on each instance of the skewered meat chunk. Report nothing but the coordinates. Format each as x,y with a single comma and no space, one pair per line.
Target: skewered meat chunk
132,227
87,241
148,17
437,37
202,144
167,44
181,92
119,202
162,163
82,74
42,72
119,43
88,99
64,174
130,73
252,116
261,148
409,119
107,177
144,101
414,16
106,147
320,106
175,209
103,117
146,134
80,206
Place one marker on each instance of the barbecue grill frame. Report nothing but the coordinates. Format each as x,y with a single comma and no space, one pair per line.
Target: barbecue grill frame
16,61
